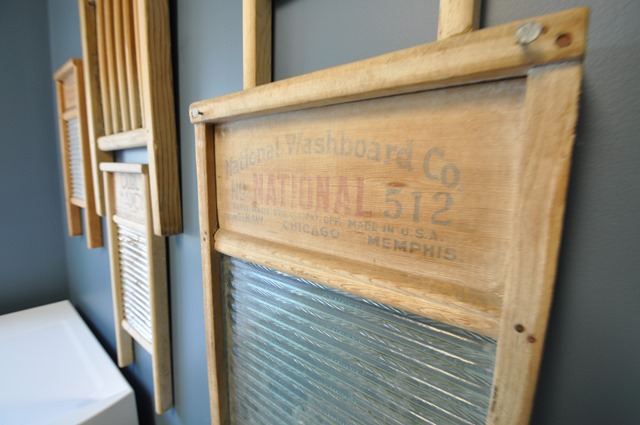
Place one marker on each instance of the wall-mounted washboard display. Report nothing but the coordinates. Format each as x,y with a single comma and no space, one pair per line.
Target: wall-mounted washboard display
138,275
389,230
127,44
74,149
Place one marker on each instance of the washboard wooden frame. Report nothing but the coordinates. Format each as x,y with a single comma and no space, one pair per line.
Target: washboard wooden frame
543,56
138,275
74,149
127,46
455,17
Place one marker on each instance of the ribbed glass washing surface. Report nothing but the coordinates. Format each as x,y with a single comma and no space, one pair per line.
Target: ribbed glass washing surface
301,353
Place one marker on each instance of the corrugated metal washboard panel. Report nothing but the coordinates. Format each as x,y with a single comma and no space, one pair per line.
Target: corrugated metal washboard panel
134,275
75,159
300,353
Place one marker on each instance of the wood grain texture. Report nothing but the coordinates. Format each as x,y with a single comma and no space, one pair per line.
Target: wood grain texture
134,51
123,167
419,189
483,55
124,341
138,51
340,154
211,274
74,224
105,90
552,110
443,303
256,42
74,221
161,330
458,17
131,59
121,71
129,207
77,171
112,66
92,221
157,94
138,138
93,97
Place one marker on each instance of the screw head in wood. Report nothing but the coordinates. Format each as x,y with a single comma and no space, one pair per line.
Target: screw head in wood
195,112
528,32
563,40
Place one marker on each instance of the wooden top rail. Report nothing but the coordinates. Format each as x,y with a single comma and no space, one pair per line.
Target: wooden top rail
403,180
487,54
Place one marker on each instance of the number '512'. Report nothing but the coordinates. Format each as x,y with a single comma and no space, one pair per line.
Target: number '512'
396,199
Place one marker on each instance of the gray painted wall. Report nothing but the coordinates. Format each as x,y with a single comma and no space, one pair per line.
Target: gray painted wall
32,227
590,372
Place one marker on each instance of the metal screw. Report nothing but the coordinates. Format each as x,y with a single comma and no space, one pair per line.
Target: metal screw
528,33
195,112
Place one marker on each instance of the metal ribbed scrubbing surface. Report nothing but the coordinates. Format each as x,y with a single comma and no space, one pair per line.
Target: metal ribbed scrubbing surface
301,353
134,275
75,159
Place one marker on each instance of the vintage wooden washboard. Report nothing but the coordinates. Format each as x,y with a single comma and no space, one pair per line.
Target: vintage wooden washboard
430,180
138,275
126,46
74,149
127,49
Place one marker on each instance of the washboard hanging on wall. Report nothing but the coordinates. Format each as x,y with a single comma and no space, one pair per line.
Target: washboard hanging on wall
127,47
389,230
74,149
138,275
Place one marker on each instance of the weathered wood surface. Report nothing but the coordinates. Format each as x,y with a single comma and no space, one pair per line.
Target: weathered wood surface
211,275
139,275
405,185
483,55
256,42
133,77
75,153
156,87
547,142
93,96
432,179
458,17
134,138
